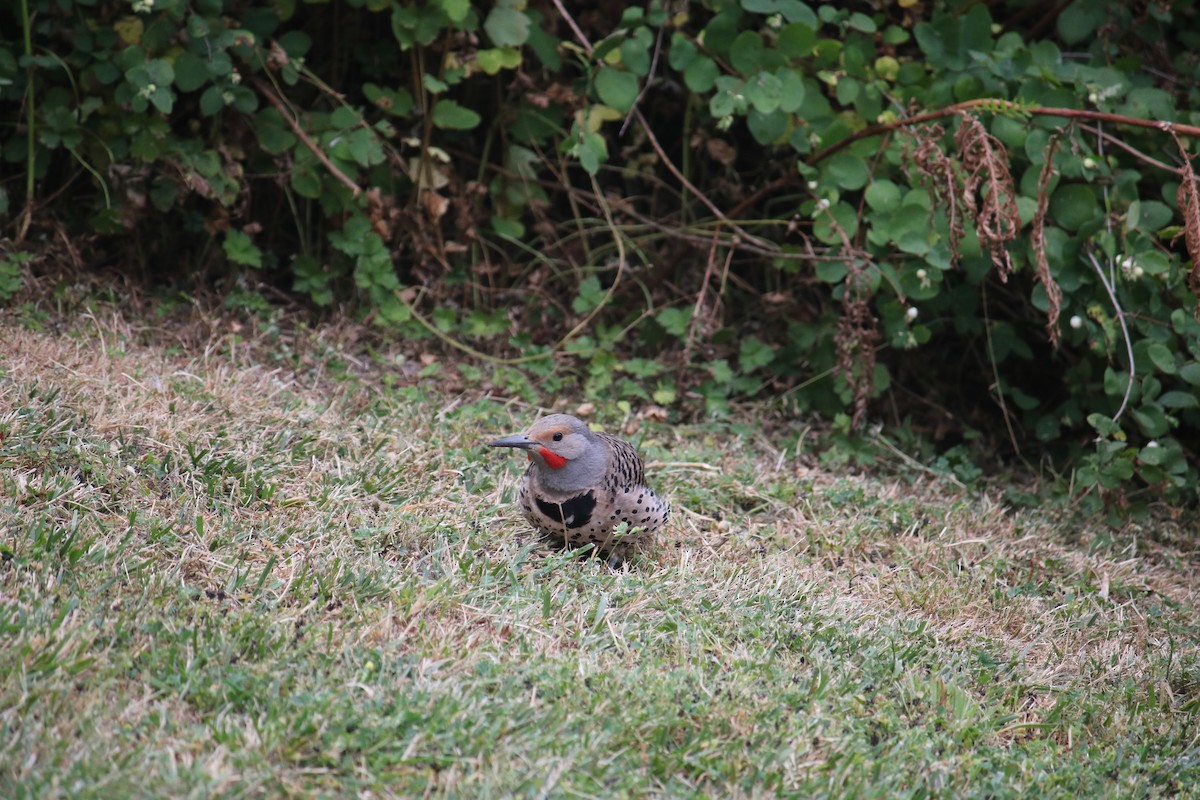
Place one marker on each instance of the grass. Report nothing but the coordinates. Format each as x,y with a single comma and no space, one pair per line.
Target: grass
226,575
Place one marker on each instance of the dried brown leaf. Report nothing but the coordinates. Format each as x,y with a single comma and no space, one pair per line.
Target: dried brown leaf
1189,206
935,169
988,191
1037,238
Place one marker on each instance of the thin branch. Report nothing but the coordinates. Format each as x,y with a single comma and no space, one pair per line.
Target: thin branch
1133,151
274,100
699,308
1112,295
662,155
1001,106
649,78
987,330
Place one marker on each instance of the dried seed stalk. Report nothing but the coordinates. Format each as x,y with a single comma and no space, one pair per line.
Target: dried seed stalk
936,170
1188,199
855,340
988,191
1037,238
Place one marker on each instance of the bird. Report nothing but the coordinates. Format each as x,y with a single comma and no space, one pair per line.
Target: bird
582,485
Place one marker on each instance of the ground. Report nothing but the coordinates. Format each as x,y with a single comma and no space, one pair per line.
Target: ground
226,573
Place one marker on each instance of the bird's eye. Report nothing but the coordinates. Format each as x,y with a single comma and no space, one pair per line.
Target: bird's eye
558,436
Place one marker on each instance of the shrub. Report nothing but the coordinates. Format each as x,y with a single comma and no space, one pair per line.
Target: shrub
921,210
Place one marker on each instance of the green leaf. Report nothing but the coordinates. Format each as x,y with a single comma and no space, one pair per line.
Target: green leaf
542,43
397,102
241,250
861,22
295,43
449,115
1115,382
274,137
791,90
508,228
848,171
1153,215
456,10
1105,426
728,98
754,354
764,91
212,101
1151,419
590,148
796,40
498,58
882,195
191,72
674,320
1178,399
1073,205
831,271
1077,21
1162,357
682,52
847,219
664,394
766,128
746,55
1155,454
506,27
701,74
616,88
1190,372
590,295
635,52
642,367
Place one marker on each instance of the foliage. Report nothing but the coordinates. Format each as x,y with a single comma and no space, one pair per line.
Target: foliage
973,222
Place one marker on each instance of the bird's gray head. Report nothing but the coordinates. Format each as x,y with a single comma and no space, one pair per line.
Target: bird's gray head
567,455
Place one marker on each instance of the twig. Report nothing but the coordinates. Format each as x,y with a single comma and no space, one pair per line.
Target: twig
274,100
658,149
990,104
30,126
987,330
1108,137
670,165
649,77
708,271
912,462
1112,295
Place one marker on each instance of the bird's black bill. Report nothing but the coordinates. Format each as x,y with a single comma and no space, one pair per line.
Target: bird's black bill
517,440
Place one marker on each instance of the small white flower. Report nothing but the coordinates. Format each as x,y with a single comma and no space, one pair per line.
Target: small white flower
1127,263
724,123
1152,443
235,77
911,314
1137,271
775,21
822,204
1093,98
1089,163
142,6
812,186
1076,322
922,275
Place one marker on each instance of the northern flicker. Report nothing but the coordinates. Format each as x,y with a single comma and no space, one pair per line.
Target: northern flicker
581,485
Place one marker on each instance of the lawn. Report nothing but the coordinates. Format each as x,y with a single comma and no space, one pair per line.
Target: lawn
276,570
